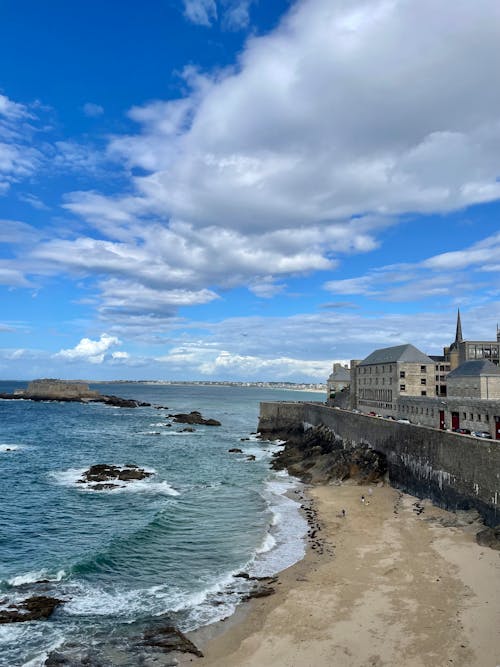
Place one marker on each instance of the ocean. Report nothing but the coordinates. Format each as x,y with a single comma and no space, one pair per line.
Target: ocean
163,549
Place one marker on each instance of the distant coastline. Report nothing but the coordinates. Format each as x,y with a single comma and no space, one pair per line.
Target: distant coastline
292,386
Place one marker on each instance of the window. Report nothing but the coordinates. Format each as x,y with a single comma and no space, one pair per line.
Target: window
401,374
423,369
402,387
471,417
486,418
423,393
423,381
464,415
479,418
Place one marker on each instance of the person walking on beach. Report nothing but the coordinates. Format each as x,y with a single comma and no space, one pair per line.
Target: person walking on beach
363,499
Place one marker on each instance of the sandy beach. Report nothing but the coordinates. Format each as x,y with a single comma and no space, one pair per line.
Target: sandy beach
388,585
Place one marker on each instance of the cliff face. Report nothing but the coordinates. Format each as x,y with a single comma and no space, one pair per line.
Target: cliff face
454,471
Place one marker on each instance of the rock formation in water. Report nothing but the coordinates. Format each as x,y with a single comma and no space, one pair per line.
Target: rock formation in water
32,609
104,476
194,418
69,392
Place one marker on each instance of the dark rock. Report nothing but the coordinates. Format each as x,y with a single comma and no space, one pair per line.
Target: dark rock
169,638
251,457
260,592
128,474
123,402
68,392
242,575
73,658
105,485
103,472
188,429
194,418
318,456
489,537
32,609
235,450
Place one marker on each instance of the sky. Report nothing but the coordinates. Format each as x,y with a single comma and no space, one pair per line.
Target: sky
244,189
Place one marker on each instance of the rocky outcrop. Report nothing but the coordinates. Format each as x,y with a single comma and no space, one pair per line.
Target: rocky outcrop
489,537
194,418
35,608
105,475
318,456
169,638
69,392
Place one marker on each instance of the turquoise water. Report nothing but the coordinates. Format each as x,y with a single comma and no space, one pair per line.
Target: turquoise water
161,548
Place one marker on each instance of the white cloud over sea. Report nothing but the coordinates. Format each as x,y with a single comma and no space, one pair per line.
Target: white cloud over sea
323,136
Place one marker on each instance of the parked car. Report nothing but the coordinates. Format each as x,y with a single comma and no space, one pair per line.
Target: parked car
481,434
463,431
404,421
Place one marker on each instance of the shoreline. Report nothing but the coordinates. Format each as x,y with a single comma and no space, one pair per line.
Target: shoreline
391,585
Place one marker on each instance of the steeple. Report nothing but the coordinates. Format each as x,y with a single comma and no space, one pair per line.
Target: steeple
458,334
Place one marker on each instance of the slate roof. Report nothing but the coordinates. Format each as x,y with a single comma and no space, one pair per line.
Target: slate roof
388,355
474,367
340,375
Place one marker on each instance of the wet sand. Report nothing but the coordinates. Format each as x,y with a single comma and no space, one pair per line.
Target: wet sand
386,587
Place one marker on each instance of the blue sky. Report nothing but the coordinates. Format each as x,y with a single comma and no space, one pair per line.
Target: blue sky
240,189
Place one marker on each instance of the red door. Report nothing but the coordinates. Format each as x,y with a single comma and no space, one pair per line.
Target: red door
497,428
455,420
441,420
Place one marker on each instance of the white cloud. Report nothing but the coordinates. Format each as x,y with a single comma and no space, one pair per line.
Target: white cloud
13,110
93,110
235,365
120,355
317,139
202,12
89,350
233,14
444,275
321,121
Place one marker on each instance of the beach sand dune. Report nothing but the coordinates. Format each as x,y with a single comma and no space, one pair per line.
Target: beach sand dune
388,586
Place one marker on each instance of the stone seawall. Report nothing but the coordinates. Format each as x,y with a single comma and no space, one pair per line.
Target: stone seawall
455,471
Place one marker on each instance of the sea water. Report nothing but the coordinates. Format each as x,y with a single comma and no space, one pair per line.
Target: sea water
165,547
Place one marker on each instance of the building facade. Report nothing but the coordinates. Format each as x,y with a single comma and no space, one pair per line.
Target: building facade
338,380
470,350
390,373
399,383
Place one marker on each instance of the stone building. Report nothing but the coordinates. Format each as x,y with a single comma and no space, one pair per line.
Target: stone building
399,382
55,389
468,350
390,373
475,379
338,380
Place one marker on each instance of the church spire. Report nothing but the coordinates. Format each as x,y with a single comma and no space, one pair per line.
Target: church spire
458,334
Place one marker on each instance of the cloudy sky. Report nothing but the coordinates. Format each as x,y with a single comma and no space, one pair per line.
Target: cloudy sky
244,189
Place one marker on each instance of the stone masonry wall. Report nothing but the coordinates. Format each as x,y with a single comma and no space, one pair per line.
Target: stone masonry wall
49,388
455,471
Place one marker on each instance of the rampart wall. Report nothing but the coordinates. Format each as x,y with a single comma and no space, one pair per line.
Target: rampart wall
455,471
